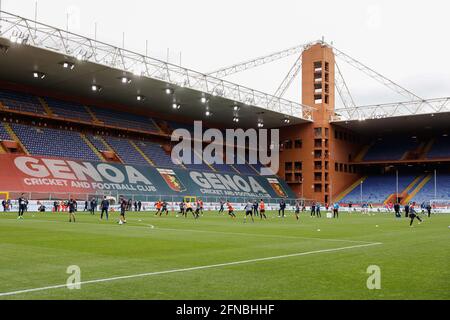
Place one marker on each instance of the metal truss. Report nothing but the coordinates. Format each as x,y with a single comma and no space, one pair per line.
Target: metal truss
431,106
253,63
375,75
23,31
342,89
290,77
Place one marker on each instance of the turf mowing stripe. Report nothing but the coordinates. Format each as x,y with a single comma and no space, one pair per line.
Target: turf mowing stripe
210,231
261,235
187,269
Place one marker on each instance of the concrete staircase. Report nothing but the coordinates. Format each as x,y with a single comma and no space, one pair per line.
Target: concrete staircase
412,184
210,166
361,154
237,171
157,126
142,153
15,138
424,180
92,114
427,148
163,126
403,194
342,195
46,106
92,147
110,149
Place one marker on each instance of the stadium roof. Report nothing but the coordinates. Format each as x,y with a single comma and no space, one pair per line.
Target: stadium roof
406,124
30,46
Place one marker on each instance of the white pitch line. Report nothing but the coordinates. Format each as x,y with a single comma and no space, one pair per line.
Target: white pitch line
187,269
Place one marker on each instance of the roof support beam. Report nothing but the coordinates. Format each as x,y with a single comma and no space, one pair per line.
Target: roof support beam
411,108
290,77
375,75
342,89
253,63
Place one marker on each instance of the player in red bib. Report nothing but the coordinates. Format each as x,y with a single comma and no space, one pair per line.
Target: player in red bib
158,206
231,210
262,209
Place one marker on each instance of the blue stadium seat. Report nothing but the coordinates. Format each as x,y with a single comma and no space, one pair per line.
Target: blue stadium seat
198,167
178,125
157,154
244,168
223,168
21,102
97,143
390,149
124,120
69,110
427,193
377,188
53,142
440,148
126,151
4,135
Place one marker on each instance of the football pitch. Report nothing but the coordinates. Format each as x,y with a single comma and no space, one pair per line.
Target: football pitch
216,257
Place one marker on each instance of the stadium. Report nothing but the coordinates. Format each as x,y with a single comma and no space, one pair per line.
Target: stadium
83,122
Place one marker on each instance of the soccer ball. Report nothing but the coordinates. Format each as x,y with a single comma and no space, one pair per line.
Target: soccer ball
120,222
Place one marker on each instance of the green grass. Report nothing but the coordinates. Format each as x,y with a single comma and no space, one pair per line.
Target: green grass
414,262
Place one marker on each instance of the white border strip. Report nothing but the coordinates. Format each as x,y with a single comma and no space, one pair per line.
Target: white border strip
187,269
264,235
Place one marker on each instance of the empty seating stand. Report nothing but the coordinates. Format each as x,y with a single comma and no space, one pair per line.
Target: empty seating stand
157,154
21,102
68,110
198,167
4,135
376,189
223,168
178,125
124,120
392,148
97,142
53,142
440,148
126,151
442,189
244,168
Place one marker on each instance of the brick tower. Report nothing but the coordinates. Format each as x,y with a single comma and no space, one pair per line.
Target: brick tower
313,154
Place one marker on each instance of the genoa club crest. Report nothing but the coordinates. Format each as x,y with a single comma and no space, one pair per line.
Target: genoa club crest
276,186
170,177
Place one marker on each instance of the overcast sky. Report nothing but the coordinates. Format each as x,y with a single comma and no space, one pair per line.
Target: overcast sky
407,41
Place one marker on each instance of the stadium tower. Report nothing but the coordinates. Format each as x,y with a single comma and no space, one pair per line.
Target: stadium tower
310,151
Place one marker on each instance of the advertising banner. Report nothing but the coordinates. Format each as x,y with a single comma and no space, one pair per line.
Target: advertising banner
21,173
